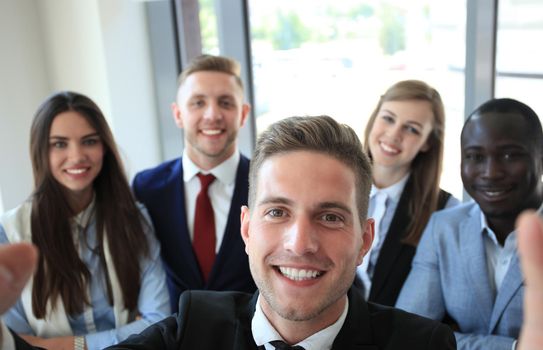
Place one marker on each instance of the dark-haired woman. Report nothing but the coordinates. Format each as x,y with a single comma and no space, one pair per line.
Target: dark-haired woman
404,139
99,276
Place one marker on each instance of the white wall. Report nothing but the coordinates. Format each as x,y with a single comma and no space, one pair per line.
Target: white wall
23,84
96,47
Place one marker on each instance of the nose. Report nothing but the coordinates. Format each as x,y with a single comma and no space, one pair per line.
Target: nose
301,237
76,153
212,111
492,168
395,132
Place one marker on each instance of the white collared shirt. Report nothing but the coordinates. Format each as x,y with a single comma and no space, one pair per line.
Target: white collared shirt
220,192
498,258
393,194
264,332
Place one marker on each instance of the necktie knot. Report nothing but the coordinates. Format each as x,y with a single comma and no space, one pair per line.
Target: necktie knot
281,345
205,180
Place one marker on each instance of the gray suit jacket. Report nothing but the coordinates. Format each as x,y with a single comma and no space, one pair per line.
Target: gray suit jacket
449,277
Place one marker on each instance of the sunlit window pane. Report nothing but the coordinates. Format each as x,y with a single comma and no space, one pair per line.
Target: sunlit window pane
519,58
208,27
330,57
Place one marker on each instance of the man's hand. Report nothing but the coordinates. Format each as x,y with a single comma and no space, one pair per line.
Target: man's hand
17,263
530,245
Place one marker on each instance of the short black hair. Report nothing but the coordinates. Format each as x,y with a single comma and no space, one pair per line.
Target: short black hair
509,105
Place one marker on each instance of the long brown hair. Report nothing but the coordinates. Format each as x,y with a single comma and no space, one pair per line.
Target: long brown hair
61,272
426,167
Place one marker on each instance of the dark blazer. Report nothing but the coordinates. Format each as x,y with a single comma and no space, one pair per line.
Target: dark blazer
161,190
20,344
394,260
222,320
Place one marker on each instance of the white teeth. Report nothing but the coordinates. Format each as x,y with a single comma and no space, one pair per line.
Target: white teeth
211,132
299,274
388,148
76,171
494,193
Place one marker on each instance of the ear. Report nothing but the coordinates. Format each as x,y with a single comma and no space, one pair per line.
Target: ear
367,239
244,229
245,109
176,113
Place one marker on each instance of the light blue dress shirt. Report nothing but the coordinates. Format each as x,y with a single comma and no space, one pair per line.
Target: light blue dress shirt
153,301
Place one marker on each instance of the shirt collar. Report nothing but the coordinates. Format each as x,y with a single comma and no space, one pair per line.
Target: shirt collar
83,218
393,192
264,332
490,234
224,172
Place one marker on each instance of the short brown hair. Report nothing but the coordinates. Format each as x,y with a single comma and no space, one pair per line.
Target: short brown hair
320,134
209,63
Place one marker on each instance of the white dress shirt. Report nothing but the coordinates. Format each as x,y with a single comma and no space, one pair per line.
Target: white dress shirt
220,192
498,257
382,206
264,332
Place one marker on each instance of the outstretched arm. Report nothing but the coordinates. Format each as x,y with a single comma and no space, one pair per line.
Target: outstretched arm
530,245
17,263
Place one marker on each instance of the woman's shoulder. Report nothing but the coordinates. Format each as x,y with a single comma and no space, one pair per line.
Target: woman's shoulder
16,223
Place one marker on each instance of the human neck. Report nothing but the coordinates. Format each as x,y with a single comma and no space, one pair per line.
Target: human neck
384,177
79,201
294,332
206,162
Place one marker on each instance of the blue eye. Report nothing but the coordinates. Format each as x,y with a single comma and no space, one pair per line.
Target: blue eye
413,130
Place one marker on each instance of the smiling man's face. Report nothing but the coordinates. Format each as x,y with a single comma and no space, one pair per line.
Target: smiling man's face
304,236
501,167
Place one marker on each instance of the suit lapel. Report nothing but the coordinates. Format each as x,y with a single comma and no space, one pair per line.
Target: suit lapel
473,257
232,235
356,331
510,285
392,246
243,339
181,239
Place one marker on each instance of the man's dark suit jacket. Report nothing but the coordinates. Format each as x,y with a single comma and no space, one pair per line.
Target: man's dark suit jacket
162,191
222,320
394,260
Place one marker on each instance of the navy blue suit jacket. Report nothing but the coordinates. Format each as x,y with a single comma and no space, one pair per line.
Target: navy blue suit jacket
161,190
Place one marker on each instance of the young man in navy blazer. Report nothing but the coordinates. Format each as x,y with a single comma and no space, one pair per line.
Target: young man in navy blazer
305,232
209,108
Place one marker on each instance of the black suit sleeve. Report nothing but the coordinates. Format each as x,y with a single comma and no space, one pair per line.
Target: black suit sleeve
166,334
20,344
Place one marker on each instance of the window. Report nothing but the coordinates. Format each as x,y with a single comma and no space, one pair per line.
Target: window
330,57
519,54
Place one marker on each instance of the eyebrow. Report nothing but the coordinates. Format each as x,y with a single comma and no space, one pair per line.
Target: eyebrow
323,205
278,200
335,205
63,138
408,122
